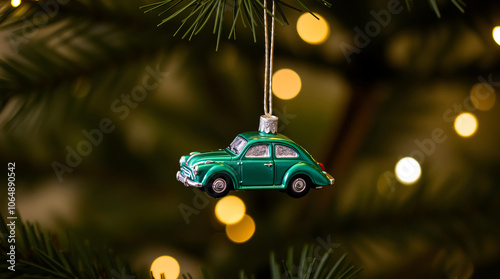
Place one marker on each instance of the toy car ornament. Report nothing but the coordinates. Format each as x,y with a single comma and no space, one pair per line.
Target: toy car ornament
255,160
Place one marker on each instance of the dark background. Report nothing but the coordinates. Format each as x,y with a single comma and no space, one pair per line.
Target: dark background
357,118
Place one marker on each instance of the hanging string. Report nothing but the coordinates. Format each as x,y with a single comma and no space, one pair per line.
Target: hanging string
266,66
271,66
269,50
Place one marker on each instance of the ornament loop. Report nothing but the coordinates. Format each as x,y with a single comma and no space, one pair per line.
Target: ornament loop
268,124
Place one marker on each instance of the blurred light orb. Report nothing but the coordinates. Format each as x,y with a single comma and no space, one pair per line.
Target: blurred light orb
496,34
230,210
15,3
286,84
483,96
465,124
241,231
408,171
312,30
167,266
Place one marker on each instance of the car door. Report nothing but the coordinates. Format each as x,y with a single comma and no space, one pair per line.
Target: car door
257,166
285,157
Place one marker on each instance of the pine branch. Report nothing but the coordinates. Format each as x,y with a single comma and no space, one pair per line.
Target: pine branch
64,44
57,19
58,86
58,65
252,9
311,267
42,254
250,12
460,4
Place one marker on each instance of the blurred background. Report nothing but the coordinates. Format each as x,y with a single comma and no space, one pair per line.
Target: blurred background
97,105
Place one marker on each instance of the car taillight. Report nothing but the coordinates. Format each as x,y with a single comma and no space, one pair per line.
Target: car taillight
322,166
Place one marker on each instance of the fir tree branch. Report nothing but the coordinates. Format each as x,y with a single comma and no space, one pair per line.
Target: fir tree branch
310,267
252,9
205,5
42,254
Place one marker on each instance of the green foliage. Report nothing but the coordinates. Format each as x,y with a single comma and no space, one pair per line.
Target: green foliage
458,3
310,267
434,6
42,254
249,11
51,72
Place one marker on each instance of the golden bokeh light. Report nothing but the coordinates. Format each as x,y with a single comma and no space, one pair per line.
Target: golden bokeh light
465,124
408,171
483,96
241,231
230,210
312,30
167,266
286,84
496,34
15,3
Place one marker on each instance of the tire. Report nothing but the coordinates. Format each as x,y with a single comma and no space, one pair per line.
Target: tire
298,186
218,186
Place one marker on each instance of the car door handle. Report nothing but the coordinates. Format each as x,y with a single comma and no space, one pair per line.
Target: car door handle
268,164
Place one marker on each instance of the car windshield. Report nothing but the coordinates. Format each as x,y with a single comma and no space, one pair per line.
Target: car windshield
237,145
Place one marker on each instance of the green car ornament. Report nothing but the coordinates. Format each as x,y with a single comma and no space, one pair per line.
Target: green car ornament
255,160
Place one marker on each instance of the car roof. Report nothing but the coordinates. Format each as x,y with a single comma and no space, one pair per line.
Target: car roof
253,137
257,136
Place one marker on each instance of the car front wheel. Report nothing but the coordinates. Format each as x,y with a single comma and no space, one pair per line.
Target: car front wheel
298,186
218,186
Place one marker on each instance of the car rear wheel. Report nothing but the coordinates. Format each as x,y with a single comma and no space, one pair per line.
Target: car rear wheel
218,186
298,186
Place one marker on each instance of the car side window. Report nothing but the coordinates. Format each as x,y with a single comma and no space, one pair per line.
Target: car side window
258,151
282,151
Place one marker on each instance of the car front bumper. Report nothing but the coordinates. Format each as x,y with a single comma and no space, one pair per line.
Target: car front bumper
187,182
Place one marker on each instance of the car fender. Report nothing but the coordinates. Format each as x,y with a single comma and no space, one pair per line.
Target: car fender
317,177
219,168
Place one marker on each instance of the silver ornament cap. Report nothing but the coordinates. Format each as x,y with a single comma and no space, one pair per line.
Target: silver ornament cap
268,124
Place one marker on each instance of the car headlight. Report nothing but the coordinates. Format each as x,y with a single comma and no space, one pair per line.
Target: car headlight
195,170
182,160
